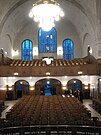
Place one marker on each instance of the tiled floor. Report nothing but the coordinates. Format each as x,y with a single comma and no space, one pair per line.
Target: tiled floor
9,105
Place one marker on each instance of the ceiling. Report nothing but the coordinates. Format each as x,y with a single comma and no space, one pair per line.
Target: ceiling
17,11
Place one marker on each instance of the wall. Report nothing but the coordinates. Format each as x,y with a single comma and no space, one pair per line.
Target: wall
64,30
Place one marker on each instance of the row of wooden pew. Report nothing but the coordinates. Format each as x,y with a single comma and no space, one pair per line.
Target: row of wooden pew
42,115
55,62
53,110
97,104
2,105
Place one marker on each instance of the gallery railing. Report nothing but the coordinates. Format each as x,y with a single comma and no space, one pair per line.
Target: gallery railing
51,130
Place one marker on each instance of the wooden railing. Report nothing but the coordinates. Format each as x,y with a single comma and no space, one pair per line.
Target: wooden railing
51,130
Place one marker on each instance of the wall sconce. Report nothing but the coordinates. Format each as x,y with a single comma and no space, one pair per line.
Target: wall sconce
35,51
15,53
86,87
9,88
16,74
3,88
59,51
30,77
80,73
32,88
64,88
64,83
48,73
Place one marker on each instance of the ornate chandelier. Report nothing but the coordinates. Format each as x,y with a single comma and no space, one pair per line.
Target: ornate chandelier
46,12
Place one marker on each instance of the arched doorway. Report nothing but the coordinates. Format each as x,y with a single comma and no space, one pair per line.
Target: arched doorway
21,88
75,88
48,87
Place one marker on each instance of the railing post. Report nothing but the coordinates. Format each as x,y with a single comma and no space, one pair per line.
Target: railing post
74,131
48,131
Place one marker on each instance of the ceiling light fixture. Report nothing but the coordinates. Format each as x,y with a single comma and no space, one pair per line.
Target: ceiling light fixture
80,72
16,74
46,12
47,73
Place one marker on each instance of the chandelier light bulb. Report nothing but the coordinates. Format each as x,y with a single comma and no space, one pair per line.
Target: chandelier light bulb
57,18
36,19
62,14
46,12
31,14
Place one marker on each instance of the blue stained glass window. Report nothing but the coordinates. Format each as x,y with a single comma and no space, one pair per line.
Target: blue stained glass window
27,50
47,41
68,49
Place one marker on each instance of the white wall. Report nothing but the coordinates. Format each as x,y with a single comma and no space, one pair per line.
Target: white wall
6,44
93,80
64,30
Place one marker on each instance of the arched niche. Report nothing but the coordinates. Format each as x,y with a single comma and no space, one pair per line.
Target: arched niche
75,88
21,88
53,84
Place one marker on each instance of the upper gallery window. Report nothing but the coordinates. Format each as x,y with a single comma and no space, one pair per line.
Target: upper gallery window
68,49
27,50
47,41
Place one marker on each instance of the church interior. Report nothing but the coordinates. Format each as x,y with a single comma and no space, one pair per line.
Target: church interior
50,67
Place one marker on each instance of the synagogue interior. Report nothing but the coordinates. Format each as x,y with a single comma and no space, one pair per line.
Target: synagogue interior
50,67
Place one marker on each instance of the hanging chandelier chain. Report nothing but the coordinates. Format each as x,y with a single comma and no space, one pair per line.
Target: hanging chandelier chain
46,1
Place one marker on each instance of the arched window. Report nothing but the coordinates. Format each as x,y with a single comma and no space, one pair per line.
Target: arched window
68,49
47,41
27,50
